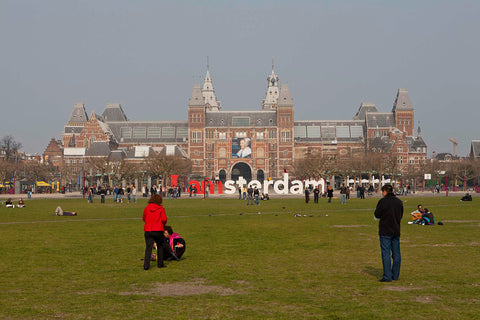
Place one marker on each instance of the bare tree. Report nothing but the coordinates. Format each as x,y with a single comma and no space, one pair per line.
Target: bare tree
313,166
10,146
36,171
164,166
6,170
465,170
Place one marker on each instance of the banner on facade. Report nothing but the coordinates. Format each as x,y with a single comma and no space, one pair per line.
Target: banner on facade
241,148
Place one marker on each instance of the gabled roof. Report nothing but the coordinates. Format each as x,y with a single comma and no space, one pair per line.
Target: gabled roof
364,108
98,149
380,119
418,143
79,115
402,101
117,155
196,99
475,149
114,112
381,144
284,97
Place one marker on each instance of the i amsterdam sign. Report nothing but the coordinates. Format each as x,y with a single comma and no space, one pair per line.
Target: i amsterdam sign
283,186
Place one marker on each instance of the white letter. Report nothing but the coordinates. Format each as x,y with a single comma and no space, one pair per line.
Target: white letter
265,185
297,187
241,182
229,187
284,183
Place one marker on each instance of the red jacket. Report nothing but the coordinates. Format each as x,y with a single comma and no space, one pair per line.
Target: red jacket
155,217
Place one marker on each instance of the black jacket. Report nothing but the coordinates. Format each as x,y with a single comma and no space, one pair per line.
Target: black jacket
390,212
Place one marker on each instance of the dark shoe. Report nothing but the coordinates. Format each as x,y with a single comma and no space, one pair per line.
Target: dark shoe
164,266
385,280
145,268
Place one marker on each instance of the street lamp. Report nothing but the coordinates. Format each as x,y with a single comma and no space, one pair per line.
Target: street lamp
433,172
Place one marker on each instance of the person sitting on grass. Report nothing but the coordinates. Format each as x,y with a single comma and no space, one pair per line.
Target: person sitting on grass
417,214
9,203
174,246
427,218
20,204
466,197
60,212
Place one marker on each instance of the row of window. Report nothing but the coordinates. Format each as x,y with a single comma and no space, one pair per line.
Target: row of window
153,132
272,134
411,160
241,122
328,132
73,161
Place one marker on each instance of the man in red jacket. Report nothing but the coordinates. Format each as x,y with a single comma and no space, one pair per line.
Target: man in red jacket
155,219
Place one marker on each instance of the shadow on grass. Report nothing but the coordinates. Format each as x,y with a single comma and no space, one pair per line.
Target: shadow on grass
374,272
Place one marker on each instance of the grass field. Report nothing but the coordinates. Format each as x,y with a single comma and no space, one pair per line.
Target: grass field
241,262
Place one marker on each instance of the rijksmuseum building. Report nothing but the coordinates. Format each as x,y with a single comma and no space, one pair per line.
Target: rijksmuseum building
254,144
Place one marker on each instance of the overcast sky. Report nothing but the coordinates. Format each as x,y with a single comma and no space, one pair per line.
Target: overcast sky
146,55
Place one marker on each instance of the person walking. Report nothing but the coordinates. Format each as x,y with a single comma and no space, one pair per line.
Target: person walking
330,193
250,196
256,195
134,194
343,194
390,212
155,220
307,195
316,193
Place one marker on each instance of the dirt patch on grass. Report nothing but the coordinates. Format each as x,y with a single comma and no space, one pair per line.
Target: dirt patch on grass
350,225
181,289
400,288
425,299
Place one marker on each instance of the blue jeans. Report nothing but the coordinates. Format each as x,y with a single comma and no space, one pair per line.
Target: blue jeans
343,198
391,271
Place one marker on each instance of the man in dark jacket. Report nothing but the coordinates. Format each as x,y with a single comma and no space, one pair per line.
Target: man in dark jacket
390,212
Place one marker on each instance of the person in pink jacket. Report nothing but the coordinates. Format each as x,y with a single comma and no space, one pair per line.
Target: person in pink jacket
155,219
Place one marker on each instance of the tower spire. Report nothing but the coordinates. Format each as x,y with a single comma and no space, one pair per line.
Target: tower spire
271,98
211,102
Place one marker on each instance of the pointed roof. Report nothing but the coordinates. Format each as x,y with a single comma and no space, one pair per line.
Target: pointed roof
79,115
380,119
475,149
364,108
114,112
98,149
419,131
72,142
209,93
284,97
402,101
271,97
196,99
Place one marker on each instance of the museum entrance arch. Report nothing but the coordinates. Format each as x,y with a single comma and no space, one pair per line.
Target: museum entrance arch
222,176
260,175
241,169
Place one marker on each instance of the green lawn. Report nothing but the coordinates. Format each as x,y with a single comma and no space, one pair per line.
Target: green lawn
239,264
